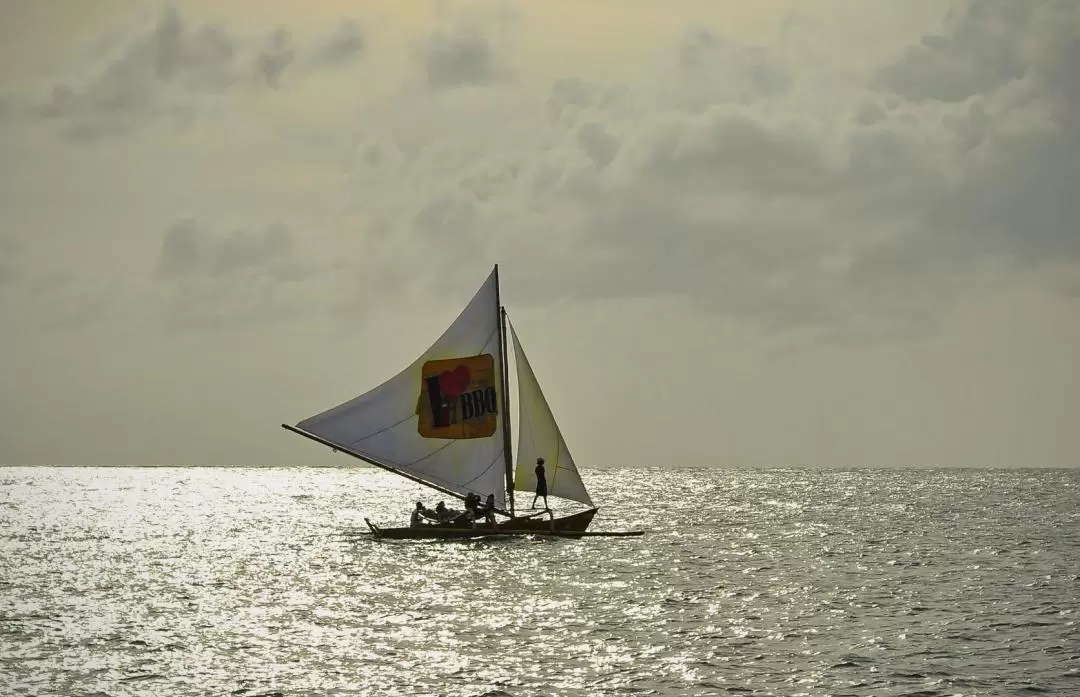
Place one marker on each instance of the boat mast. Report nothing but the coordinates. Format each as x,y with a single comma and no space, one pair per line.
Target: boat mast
508,457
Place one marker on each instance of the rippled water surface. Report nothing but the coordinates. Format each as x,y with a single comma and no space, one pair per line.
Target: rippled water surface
217,581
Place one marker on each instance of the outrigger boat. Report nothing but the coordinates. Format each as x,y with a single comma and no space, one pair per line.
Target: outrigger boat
444,422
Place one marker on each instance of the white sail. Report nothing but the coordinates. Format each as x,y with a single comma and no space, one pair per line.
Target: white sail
438,421
539,436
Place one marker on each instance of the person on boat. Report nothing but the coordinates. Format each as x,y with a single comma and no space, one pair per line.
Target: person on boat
415,520
471,513
488,510
419,513
541,483
444,514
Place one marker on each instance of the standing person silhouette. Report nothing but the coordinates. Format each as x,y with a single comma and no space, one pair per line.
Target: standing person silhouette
541,483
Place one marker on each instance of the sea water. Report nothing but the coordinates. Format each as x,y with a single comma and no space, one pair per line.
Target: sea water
249,581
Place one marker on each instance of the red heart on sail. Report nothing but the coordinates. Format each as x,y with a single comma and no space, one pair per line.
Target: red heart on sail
454,382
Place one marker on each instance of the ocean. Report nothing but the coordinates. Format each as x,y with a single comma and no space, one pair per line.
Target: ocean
795,582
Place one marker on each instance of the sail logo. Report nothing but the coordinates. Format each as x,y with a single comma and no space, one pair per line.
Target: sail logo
458,398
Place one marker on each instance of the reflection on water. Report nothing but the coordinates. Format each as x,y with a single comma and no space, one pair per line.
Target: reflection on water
773,582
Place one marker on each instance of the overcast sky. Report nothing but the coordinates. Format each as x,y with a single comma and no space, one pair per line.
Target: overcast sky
802,232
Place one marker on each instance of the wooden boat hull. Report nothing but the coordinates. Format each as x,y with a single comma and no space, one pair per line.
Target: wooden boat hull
574,525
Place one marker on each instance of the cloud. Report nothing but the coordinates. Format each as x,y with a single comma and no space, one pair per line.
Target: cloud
36,298
171,70
342,45
203,278
751,186
1001,79
976,52
477,48
190,250
210,279
9,252
275,58
134,87
735,178
704,68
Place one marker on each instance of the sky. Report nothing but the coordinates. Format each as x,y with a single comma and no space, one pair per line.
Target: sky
780,233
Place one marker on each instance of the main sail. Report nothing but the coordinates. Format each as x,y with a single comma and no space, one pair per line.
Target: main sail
440,420
539,436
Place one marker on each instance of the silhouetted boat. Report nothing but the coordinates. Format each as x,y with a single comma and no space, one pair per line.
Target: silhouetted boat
444,422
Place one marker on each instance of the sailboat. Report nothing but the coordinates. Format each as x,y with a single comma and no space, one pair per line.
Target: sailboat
444,422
